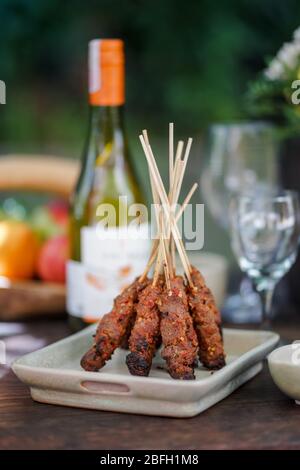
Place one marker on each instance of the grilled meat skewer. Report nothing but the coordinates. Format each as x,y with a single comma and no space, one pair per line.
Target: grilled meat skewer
206,322
179,339
112,328
145,332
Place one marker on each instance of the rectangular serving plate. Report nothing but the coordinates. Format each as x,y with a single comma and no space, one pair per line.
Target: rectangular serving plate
54,376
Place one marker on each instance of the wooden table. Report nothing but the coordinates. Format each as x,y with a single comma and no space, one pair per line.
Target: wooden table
257,415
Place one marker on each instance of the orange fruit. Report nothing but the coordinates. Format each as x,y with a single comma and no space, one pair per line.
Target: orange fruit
18,250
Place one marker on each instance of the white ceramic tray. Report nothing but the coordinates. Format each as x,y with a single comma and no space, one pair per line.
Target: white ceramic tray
55,376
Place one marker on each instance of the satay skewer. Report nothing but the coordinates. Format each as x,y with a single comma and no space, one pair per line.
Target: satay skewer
154,249
175,189
183,325
166,207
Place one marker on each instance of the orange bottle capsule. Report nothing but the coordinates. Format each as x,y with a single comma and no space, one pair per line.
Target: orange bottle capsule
106,72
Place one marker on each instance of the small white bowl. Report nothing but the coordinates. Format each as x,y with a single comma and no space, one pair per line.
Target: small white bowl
284,365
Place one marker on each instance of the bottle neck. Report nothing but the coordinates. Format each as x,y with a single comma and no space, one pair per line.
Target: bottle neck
107,119
107,137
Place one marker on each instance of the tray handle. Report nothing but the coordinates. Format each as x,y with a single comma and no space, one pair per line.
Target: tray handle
104,387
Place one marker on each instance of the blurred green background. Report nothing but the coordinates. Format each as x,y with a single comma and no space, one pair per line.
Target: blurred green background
187,62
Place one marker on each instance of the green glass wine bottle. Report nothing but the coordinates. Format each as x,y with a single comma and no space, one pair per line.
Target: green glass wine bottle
107,250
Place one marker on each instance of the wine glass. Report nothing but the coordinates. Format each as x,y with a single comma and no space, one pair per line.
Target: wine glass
239,157
265,228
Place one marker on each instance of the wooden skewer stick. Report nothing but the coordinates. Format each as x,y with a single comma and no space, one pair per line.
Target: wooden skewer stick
166,207
165,202
179,150
171,154
153,188
177,188
172,255
177,217
185,160
145,134
177,170
159,260
157,181
164,253
157,266
160,254
178,156
154,250
152,258
186,201
177,192
156,176
177,181
156,201
176,173
183,257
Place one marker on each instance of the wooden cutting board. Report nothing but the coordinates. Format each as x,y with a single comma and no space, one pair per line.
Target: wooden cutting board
28,299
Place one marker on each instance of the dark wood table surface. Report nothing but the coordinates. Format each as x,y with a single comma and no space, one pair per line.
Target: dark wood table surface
257,415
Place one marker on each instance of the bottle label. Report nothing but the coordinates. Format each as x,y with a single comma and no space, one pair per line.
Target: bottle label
111,260
75,278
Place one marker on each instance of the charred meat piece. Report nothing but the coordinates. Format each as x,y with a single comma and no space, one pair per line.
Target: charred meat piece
112,328
199,281
125,341
179,339
145,333
206,323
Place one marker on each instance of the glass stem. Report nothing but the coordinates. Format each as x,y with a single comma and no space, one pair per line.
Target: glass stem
266,296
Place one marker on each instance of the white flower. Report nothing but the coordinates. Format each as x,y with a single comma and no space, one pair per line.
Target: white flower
275,71
289,54
297,34
287,58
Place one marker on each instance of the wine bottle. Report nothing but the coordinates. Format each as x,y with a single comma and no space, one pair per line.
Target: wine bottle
106,252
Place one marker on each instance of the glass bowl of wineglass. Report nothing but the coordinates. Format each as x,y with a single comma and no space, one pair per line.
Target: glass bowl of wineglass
265,229
239,157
